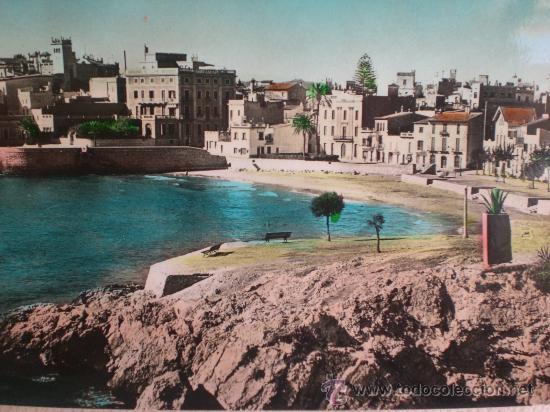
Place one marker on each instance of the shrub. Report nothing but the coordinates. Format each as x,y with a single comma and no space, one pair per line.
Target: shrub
495,205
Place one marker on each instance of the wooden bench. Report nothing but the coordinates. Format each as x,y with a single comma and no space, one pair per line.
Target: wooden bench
277,235
212,250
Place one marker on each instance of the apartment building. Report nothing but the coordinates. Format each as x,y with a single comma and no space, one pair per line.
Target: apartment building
177,99
392,140
449,140
340,122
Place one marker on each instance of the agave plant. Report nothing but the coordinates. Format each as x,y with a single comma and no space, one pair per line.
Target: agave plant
495,206
544,254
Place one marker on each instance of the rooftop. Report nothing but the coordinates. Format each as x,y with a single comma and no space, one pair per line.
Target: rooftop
454,117
517,116
281,86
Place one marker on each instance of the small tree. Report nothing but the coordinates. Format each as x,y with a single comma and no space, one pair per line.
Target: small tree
317,92
480,158
377,222
329,205
302,123
365,77
31,130
534,170
501,154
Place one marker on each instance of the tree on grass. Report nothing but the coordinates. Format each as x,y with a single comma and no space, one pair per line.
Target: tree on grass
377,222
365,76
480,158
329,205
302,123
501,154
31,130
534,170
317,92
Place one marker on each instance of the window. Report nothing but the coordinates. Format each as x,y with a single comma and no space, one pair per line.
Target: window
207,94
420,145
260,135
215,95
142,94
136,95
152,79
151,94
216,113
357,115
163,94
458,129
172,94
444,127
344,130
199,94
433,128
244,136
443,162
199,80
333,114
186,94
172,111
433,145
444,144
345,114
199,111
324,130
186,80
199,129
332,130
420,130
457,144
356,131
325,115
227,95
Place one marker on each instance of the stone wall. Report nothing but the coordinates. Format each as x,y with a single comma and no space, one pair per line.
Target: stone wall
106,160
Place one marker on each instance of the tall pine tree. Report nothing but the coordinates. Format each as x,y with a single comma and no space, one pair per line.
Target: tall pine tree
365,77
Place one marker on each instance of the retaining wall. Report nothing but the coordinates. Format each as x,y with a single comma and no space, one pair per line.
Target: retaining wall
318,166
106,160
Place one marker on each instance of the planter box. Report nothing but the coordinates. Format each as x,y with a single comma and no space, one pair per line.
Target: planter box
497,239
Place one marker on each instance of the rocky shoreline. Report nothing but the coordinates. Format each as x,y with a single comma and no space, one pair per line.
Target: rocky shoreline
253,339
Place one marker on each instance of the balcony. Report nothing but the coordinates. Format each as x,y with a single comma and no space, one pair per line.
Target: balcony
343,138
444,133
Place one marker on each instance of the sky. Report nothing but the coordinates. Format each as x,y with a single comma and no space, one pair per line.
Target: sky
309,39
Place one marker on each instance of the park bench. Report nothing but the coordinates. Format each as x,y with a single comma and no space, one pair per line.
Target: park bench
277,235
212,250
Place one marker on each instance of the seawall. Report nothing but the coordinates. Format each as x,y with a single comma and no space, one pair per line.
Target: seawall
106,160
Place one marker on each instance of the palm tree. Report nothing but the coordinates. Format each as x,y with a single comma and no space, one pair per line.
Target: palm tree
329,205
377,222
302,123
316,93
365,76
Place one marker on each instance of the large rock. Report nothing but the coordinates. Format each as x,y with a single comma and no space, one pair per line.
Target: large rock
288,338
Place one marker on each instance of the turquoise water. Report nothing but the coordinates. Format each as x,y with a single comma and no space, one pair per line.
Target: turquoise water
59,236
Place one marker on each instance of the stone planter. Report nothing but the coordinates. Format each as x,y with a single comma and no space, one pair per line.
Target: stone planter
496,238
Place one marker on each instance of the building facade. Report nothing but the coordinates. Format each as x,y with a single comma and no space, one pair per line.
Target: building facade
450,140
178,100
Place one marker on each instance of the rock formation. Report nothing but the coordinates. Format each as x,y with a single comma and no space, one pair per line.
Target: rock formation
294,338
